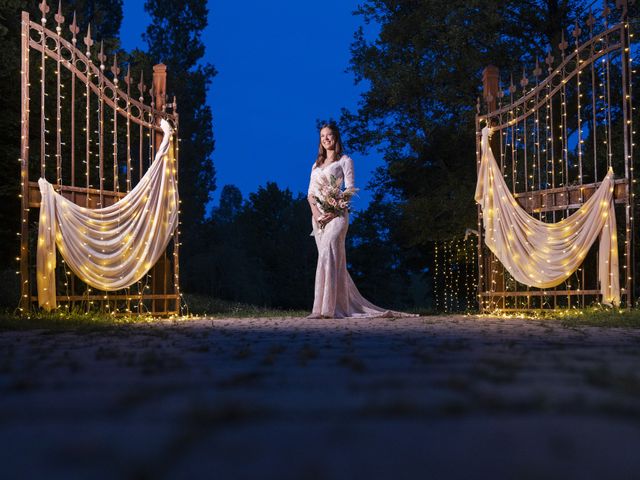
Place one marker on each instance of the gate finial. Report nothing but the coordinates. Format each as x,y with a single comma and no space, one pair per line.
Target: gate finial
605,11
44,8
524,81
59,18
153,97
563,44
591,21
74,29
127,77
141,86
549,59
115,69
577,31
88,41
101,56
537,71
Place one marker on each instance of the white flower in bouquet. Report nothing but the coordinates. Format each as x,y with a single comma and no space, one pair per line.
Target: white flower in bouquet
332,199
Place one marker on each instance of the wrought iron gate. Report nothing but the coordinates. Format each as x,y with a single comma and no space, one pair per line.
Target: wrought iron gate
555,136
93,157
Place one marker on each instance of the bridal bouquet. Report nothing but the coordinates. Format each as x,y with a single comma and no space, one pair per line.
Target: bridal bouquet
332,199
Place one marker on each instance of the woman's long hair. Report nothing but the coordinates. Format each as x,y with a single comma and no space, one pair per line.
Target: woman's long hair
322,152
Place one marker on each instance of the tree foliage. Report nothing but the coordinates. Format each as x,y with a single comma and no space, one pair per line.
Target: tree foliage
258,250
423,73
174,38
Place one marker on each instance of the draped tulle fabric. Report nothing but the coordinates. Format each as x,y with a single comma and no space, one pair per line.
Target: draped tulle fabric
542,254
112,247
336,295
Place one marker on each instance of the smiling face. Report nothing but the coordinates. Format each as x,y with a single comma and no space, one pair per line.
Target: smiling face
327,138
329,142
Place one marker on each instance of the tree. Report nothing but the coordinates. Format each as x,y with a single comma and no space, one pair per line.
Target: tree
174,39
220,267
274,228
260,253
424,71
230,204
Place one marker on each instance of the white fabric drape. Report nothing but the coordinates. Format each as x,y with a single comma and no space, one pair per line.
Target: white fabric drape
112,247
542,254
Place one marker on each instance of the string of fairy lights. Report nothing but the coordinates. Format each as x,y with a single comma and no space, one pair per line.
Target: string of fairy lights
97,85
629,160
455,274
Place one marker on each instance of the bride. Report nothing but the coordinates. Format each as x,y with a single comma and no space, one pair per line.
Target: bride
336,296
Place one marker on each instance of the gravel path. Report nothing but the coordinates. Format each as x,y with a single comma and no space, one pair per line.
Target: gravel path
290,398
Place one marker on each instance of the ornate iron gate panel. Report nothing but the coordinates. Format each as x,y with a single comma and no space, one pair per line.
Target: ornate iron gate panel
93,141
555,136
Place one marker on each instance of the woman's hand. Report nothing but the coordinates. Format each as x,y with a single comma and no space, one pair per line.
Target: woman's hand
325,219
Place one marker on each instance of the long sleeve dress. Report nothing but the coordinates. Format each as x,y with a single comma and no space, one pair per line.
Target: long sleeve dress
336,296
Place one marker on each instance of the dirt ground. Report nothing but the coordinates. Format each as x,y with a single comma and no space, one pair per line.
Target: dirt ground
291,398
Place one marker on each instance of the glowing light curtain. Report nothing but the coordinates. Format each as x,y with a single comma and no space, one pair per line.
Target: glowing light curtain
542,254
112,247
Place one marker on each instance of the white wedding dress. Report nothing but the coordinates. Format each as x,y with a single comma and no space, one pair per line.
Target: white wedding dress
336,296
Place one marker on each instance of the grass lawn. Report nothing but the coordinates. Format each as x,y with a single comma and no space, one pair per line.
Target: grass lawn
202,306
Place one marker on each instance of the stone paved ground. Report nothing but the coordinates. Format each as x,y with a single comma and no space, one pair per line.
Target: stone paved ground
289,398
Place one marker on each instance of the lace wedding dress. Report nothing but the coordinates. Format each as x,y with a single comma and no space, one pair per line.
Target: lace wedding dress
336,296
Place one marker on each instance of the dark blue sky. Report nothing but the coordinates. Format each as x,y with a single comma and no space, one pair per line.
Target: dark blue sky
281,66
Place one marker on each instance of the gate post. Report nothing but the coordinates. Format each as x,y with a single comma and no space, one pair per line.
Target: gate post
490,86
159,90
161,270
